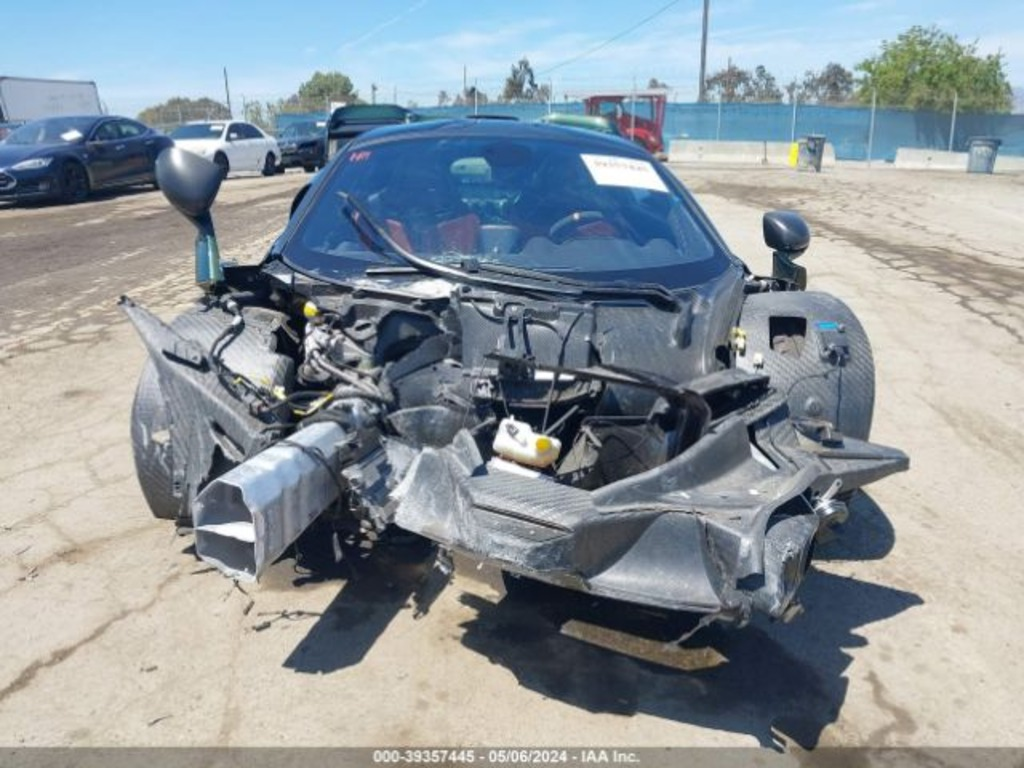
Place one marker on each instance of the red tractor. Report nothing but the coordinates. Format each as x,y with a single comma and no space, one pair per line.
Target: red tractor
639,115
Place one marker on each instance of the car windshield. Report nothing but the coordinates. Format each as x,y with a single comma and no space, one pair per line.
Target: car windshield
198,131
53,130
300,130
596,212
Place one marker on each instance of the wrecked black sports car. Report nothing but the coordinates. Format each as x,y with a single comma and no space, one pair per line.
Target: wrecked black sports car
525,343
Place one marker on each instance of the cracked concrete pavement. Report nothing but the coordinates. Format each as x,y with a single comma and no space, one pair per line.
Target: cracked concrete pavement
115,635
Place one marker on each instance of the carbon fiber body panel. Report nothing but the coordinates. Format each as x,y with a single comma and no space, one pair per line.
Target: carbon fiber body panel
817,355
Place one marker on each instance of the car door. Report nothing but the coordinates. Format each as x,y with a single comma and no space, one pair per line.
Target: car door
239,154
137,155
104,153
267,145
256,145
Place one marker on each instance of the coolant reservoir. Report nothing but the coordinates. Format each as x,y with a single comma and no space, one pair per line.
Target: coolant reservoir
516,441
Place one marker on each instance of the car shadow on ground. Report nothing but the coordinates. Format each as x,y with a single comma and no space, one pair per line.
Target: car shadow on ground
378,584
96,196
779,683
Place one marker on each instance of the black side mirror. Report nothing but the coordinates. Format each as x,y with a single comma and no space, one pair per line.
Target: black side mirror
788,235
190,183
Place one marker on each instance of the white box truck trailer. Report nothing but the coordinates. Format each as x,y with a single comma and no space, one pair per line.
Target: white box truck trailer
25,98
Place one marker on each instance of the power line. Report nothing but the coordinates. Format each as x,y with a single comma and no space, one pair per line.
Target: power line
610,40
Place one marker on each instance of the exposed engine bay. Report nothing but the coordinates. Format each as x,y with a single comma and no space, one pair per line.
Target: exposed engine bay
527,432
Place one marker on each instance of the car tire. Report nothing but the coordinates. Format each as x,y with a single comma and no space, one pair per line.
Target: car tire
222,162
309,168
151,446
270,165
74,182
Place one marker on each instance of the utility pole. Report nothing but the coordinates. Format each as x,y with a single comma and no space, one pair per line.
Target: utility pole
702,91
952,124
373,93
227,92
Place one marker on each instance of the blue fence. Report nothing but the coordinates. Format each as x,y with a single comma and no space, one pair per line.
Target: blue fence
848,129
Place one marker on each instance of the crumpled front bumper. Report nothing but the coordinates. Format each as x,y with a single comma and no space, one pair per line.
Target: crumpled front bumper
716,530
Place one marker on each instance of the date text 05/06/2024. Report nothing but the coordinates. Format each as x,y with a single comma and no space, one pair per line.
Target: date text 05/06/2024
499,757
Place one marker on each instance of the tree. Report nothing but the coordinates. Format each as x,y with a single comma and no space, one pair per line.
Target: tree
727,84
832,85
264,115
323,88
443,99
735,84
471,97
763,87
925,67
181,109
656,83
521,84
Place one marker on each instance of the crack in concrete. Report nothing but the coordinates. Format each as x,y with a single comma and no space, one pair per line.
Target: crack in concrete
29,674
947,267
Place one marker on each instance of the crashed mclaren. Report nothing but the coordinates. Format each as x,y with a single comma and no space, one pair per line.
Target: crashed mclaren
525,343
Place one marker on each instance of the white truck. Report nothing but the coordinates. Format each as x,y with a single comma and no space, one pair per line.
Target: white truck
24,98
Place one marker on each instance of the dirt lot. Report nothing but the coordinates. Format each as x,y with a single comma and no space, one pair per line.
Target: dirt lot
115,635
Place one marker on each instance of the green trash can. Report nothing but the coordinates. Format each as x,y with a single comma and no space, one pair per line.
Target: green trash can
811,149
981,153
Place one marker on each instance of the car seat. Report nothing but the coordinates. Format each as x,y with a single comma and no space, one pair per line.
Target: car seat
424,213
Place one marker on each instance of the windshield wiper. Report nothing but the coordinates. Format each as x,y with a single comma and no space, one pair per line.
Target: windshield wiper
651,291
470,270
417,263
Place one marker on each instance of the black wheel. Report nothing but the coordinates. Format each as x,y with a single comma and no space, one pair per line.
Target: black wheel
309,168
269,165
222,162
151,445
74,182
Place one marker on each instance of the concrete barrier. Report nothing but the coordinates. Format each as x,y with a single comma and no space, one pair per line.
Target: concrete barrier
937,160
740,152
771,153
1011,163
930,159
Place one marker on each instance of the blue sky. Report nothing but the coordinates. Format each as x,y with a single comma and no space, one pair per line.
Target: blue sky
141,54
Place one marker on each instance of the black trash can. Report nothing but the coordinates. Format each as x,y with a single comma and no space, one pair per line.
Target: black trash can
810,151
981,154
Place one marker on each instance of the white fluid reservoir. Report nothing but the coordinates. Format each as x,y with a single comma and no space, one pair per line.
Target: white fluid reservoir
516,441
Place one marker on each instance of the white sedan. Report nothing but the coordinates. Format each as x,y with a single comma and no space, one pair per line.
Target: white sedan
231,144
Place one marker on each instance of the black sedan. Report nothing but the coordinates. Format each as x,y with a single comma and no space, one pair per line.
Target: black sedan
303,145
66,158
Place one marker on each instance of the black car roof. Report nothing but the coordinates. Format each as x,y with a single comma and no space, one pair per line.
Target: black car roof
92,118
510,129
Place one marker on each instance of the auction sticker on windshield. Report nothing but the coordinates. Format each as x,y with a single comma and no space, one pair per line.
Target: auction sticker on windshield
612,171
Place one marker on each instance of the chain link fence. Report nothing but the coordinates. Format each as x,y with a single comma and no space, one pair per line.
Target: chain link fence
855,132
167,119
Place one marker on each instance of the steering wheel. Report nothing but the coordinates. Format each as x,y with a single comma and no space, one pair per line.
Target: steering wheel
574,219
